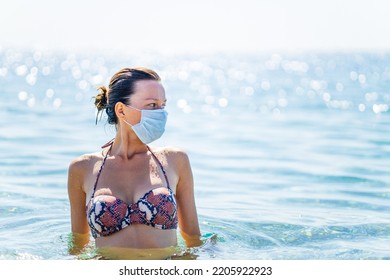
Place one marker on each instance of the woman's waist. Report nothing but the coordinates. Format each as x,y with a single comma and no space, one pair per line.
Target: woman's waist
139,236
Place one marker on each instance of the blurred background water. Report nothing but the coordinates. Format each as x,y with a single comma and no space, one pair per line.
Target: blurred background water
290,152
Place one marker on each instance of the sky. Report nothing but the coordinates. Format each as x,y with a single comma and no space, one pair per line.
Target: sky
196,26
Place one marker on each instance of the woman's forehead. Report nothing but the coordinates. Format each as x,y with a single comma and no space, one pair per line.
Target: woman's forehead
148,89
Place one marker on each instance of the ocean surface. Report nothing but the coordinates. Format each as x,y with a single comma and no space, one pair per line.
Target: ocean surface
290,152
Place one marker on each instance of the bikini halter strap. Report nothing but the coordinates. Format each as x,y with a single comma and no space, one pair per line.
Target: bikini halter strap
161,166
100,170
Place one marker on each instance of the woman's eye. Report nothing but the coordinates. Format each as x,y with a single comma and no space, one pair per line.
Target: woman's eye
155,105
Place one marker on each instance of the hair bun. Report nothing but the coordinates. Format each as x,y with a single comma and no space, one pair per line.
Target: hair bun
101,99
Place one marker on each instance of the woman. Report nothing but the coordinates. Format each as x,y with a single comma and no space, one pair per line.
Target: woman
128,194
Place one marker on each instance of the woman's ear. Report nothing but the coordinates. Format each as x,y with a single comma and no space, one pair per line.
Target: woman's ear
119,109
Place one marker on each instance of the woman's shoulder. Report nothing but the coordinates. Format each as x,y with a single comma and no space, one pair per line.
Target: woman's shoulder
173,155
84,162
170,151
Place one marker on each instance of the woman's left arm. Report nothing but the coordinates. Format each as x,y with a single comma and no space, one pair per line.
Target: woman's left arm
187,214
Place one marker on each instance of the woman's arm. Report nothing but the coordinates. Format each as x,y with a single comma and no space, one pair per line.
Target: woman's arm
187,214
79,224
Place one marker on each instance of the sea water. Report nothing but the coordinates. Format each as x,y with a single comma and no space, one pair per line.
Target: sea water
290,152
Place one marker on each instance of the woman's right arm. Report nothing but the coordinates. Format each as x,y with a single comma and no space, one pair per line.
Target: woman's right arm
77,199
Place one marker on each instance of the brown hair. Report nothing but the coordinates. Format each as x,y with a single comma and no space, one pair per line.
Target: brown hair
120,89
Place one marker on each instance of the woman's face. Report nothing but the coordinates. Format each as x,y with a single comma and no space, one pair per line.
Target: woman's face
148,95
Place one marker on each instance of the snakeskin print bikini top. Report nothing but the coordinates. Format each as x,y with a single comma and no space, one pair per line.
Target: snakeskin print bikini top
107,214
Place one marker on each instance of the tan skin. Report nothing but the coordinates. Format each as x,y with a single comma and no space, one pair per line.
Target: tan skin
129,172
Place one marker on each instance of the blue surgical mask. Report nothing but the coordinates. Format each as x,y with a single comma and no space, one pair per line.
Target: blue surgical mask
152,124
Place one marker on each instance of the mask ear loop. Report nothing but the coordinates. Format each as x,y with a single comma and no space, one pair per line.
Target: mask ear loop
131,125
134,108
